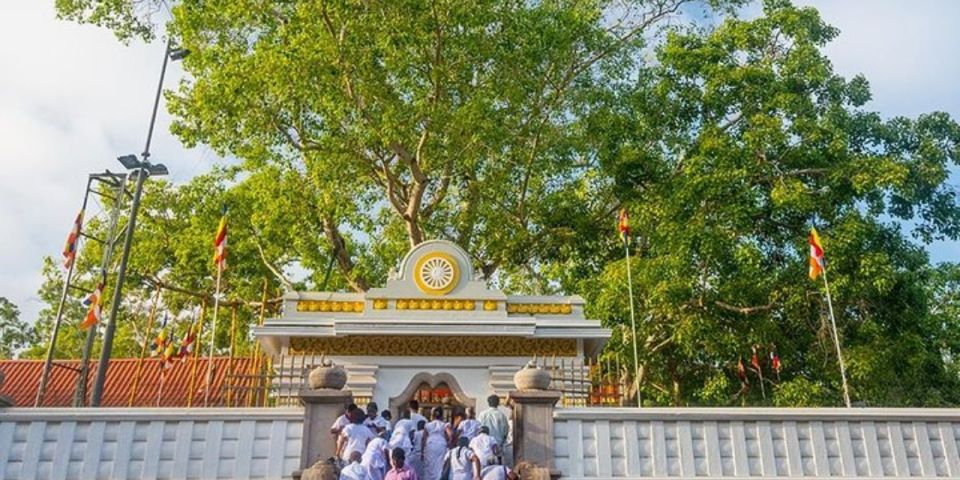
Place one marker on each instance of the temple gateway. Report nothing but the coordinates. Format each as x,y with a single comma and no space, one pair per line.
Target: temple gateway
435,332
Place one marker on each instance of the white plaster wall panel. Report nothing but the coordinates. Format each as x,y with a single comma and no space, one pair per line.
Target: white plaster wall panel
149,443
760,443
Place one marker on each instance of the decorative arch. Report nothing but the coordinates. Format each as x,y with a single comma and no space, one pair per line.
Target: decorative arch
433,380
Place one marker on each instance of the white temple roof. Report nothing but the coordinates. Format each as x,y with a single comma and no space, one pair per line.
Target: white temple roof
435,293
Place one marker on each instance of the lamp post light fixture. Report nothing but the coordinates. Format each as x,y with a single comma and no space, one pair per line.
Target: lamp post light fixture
143,169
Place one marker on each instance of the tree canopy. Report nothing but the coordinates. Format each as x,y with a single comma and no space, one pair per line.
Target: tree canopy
518,129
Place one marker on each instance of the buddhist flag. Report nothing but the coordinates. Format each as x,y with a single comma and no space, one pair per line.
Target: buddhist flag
623,225
742,372
93,304
168,354
70,248
220,244
159,344
775,362
186,345
816,254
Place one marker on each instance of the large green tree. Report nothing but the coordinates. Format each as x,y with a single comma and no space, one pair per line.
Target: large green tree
726,151
519,128
15,333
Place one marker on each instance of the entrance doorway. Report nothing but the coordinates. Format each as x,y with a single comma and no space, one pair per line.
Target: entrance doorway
432,391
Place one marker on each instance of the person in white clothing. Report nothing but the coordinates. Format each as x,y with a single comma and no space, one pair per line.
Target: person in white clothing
353,437
464,464
419,441
414,408
469,427
438,434
401,436
377,457
496,421
354,471
485,447
373,414
383,422
344,420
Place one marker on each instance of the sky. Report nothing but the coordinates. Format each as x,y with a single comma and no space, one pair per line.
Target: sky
72,99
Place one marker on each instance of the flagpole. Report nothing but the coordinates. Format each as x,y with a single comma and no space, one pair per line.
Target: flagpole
633,321
836,341
213,338
143,350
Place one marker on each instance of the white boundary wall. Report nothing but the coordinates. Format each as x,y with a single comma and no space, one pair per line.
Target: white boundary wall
605,443
138,443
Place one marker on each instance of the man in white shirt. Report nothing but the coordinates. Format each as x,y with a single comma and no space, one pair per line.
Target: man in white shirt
496,422
485,447
354,471
343,420
414,408
353,438
469,427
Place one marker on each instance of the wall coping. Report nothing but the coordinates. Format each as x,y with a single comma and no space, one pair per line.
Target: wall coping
148,414
759,414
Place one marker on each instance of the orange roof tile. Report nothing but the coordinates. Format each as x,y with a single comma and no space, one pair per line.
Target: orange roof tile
23,378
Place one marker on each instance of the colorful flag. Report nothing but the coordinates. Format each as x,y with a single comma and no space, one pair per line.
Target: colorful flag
220,244
70,249
742,372
159,344
816,254
623,225
186,344
755,360
93,303
168,355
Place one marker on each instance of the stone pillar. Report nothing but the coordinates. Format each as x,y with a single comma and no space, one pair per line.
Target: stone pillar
320,409
533,427
322,403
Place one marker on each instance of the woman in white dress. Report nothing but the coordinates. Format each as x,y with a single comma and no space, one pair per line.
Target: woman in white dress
437,434
464,464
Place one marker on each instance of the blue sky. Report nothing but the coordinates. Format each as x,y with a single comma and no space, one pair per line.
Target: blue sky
72,99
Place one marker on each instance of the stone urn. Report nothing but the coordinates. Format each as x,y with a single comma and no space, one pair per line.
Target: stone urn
327,376
322,470
531,377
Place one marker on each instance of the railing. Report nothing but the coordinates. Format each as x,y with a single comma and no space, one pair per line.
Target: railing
586,382
275,382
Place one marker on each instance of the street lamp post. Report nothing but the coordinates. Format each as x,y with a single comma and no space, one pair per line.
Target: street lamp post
142,168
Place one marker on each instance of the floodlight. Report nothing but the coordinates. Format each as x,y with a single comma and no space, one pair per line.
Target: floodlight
157,169
129,161
178,53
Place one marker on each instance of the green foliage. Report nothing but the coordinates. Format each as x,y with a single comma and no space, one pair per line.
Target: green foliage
517,130
128,19
724,152
15,334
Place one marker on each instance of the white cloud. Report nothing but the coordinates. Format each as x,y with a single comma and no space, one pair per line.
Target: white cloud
73,99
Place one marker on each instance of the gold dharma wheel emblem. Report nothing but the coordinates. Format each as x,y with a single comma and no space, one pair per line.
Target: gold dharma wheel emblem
436,273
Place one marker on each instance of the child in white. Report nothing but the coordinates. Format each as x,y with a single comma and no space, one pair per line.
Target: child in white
354,471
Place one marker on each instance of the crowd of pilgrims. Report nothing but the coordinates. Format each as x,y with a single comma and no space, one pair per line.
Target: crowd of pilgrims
370,447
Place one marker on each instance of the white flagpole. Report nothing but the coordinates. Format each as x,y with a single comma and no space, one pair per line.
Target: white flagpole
633,321
836,341
213,337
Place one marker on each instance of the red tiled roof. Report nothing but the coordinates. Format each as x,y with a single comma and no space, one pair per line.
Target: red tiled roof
23,378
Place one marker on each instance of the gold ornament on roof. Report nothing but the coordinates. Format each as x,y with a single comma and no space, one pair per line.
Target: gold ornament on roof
436,273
